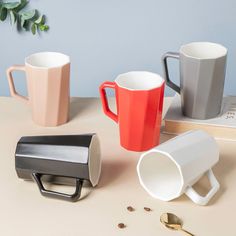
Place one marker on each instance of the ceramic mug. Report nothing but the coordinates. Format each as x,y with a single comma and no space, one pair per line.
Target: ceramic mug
202,76
172,168
62,159
48,81
139,100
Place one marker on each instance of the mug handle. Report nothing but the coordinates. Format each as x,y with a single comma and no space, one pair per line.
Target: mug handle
53,194
203,200
12,85
166,71
105,104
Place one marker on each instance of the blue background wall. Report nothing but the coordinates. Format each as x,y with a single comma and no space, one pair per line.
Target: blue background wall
107,37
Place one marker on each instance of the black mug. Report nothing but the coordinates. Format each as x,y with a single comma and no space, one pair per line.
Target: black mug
72,156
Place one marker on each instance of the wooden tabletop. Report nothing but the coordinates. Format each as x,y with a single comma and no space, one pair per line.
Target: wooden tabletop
23,211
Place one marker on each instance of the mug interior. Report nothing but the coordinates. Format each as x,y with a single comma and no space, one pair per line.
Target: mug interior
203,50
94,160
47,59
139,80
160,176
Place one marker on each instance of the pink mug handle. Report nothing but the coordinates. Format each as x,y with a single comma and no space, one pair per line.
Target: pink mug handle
105,104
12,85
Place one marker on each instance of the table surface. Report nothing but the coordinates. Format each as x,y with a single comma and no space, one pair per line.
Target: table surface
23,211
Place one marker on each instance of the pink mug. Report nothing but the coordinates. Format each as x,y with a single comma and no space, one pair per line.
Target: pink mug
48,84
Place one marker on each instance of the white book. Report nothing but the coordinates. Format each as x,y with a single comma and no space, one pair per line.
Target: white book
223,126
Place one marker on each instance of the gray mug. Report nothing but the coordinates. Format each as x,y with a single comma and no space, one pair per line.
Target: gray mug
202,76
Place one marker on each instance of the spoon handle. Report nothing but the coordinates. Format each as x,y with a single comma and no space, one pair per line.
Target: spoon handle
185,231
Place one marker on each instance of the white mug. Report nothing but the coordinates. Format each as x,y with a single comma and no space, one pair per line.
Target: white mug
172,168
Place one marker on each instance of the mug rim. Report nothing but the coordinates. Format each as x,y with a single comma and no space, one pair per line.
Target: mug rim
30,64
176,164
94,164
120,80
223,49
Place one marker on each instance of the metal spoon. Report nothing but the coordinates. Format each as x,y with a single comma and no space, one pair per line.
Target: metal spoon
173,222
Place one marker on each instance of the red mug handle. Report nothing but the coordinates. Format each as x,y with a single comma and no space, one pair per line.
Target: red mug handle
105,104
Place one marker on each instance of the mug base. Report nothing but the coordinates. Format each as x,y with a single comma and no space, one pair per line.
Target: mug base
200,116
50,123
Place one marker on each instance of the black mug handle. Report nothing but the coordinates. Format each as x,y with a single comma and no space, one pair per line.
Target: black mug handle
166,72
53,194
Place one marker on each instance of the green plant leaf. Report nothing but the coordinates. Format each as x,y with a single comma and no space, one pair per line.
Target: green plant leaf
33,29
22,5
22,22
40,20
28,15
43,27
12,17
3,13
11,5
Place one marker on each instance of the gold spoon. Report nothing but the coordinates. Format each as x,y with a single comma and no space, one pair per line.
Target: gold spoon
173,222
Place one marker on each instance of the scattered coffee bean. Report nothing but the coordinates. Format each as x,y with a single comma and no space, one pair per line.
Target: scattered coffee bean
130,208
147,209
121,225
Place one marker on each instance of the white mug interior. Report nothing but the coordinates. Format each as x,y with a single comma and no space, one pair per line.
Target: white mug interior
139,80
203,50
47,60
160,176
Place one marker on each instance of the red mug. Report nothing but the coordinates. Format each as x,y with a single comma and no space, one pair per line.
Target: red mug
139,101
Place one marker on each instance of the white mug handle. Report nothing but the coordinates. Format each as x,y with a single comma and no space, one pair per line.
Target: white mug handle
203,200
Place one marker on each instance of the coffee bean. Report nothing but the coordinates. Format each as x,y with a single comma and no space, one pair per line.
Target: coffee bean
121,225
147,209
130,208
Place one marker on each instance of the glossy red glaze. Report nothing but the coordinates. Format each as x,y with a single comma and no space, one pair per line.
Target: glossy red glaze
139,115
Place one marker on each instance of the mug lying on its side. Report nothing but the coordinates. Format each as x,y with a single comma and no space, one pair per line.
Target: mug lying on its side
73,156
172,168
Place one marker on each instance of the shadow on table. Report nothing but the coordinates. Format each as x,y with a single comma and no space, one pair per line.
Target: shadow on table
111,170
79,105
221,170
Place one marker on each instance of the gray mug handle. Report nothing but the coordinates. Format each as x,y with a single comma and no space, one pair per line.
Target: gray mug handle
166,72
